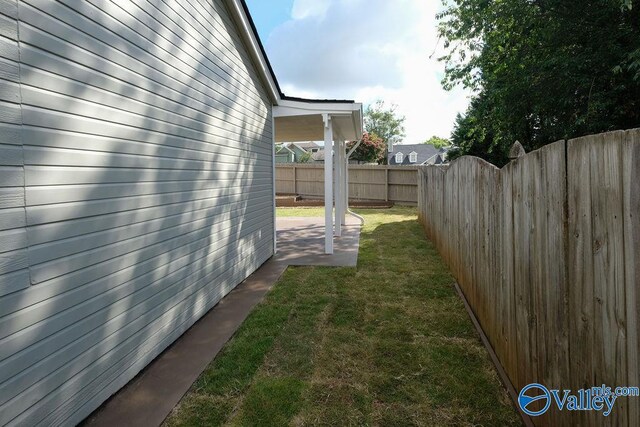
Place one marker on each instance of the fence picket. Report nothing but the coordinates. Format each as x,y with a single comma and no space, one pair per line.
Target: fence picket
546,251
398,184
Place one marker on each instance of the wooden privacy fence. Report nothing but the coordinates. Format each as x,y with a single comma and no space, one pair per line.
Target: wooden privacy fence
397,184
547,252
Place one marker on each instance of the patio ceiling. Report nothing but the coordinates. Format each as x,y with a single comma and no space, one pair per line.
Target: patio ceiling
303,120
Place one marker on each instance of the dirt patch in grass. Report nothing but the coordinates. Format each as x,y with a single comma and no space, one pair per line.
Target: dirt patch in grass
386,343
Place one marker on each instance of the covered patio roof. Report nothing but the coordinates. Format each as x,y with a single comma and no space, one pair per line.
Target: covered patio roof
333,122
298,120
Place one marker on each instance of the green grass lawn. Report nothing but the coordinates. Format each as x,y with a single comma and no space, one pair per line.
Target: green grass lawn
311,211
386,343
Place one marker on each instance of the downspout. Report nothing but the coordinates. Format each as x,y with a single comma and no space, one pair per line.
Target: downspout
273,181
349,211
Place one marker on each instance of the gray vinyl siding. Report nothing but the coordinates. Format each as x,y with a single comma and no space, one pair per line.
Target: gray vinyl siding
135,190
14,272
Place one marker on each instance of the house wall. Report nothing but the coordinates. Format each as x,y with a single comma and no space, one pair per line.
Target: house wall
135,190
282,158
299,153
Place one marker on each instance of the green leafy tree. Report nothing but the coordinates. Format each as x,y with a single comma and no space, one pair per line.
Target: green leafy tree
541,70
472,136
384,122
371,149
304,158
438,142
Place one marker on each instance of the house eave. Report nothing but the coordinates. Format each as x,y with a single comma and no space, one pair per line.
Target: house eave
240,14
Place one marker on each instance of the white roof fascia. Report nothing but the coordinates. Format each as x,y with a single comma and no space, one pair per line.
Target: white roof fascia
430,158
287,148
248,36
287,108
299,148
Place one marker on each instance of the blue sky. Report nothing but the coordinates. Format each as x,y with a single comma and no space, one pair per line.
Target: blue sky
269,14
363,50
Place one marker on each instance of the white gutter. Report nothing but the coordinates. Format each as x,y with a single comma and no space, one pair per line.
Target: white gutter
328,184
273,183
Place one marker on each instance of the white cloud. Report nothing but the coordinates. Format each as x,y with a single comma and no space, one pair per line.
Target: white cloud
306,8
367,50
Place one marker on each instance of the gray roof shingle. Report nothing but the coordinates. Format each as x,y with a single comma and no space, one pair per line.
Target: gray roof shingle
424,152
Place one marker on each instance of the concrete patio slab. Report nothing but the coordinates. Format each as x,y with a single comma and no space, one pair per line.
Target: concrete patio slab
150,397
301,242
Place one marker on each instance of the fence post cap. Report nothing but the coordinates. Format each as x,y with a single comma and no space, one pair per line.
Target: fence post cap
517,150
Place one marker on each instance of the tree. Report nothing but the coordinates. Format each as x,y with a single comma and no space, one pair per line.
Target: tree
438,142
384,122
304,158
541,70
371,149
472,134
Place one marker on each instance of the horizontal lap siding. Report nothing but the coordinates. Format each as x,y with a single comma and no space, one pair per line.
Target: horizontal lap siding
135,191
14,272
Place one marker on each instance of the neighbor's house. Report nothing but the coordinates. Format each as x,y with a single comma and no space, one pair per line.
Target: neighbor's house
136,185
296,152
309,147
416,154
318,156
284,154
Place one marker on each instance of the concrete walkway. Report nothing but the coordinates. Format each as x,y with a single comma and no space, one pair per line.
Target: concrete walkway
151,395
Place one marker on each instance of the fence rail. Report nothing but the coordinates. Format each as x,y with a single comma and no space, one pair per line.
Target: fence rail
398,184
547,252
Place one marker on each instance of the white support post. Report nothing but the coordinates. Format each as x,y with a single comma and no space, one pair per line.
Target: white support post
337,167
328,184
345,183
